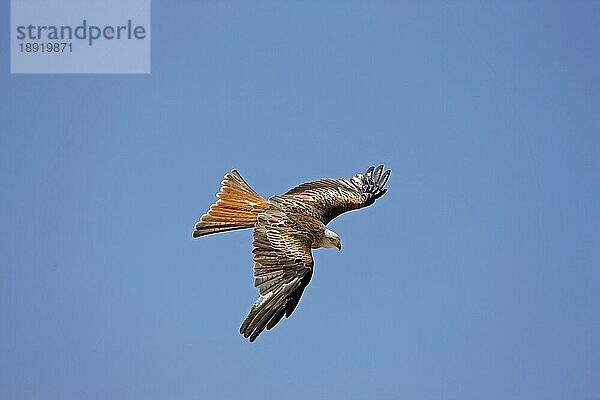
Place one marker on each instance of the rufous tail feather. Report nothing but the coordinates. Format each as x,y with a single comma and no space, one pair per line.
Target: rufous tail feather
237,208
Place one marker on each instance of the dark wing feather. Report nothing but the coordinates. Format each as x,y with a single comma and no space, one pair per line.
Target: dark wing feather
283,266
325,199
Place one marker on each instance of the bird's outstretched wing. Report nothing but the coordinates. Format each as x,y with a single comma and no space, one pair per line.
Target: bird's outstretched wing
283,266
325,199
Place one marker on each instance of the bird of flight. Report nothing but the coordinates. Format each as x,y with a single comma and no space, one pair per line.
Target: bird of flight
286,228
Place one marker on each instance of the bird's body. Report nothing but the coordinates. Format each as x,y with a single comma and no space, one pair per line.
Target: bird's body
286,228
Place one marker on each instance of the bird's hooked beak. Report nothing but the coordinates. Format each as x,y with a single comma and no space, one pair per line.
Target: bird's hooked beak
331,239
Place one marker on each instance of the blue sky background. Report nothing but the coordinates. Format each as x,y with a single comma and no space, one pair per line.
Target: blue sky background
476,276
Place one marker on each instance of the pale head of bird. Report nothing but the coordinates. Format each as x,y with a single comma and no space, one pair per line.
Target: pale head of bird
331,239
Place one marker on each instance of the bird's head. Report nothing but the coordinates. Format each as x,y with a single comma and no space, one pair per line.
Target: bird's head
331,239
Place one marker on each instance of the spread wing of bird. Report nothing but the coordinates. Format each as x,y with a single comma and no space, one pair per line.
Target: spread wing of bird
325,199
283,266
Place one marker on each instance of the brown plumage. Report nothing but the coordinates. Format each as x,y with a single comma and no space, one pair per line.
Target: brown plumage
286,228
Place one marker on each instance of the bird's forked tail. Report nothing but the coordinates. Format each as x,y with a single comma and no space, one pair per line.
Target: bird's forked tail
237,208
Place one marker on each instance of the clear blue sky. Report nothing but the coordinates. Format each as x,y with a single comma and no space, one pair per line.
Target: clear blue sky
476,276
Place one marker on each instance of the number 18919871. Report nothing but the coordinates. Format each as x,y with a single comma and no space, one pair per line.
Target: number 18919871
46,47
